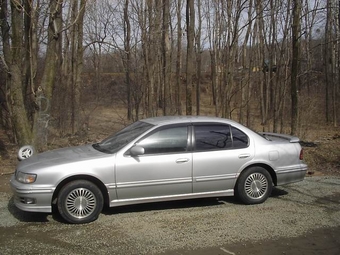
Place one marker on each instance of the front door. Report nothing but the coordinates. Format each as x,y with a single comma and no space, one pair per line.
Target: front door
164,169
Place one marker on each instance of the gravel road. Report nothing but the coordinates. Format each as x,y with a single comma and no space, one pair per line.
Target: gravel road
293,211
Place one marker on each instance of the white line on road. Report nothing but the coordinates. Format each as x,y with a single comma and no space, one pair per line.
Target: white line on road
226,251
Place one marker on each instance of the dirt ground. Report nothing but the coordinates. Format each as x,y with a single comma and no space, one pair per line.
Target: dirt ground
320,242
42,230
323,157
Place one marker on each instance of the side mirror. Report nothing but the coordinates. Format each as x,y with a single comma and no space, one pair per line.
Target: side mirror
137,151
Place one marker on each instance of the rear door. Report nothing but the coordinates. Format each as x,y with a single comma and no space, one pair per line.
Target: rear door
220,150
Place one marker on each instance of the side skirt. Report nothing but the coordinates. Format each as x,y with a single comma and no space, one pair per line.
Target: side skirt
119,202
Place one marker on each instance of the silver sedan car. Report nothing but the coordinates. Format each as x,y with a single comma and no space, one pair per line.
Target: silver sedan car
157,159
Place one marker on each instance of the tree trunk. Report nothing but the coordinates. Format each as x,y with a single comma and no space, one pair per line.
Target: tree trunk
75,65
337,84
296,27
179,58
260,63
79,124
327,60
13,56
245,89
166,55
127,38
190,19
198,58
45,92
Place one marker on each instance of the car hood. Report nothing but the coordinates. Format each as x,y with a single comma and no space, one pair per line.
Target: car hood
61,156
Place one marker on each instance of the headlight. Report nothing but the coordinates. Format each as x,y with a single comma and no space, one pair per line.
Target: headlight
25,178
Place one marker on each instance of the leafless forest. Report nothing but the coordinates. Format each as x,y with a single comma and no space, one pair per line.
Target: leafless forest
269,63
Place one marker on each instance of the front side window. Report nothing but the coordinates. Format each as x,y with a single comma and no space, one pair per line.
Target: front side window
168,140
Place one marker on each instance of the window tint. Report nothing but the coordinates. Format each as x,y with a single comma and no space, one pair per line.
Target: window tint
240,139
212,137
168,140
219,137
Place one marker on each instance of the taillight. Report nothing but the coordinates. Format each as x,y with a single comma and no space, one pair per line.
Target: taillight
301,154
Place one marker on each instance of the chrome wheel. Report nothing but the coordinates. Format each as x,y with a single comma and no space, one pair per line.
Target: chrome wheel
80,203
256,185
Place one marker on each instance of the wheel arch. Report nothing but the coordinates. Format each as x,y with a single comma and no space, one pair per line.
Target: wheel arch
90,178
267,167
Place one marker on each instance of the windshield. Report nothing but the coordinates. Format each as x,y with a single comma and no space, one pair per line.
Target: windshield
114,143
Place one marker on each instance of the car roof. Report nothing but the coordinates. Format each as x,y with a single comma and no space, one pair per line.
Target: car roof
163,120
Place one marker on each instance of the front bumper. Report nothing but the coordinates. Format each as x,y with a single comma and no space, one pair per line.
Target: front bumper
32,198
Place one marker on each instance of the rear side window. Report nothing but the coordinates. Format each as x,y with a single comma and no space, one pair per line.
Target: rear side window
219,137
212,137
240,139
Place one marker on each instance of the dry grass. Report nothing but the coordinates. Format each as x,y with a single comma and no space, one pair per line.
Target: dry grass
324,158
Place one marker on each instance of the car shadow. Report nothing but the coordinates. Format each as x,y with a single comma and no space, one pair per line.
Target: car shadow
278,192
181,204
155,206
177,204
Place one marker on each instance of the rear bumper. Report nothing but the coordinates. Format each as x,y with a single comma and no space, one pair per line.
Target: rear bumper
31,198
294,174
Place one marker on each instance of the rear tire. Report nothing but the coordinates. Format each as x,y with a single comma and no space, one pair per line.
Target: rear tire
80,202
254,185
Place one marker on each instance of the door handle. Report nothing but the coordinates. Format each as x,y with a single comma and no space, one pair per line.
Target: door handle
244,155
182,160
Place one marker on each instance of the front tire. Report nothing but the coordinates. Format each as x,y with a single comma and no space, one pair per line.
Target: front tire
254,185
80,202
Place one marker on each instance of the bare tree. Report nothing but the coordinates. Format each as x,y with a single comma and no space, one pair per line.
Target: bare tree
255,51
73,62
190,22
198,58
246,68
149,21
52,59
332,72
166,66
12,56
179,57
336,89
296,33
30,99
127,48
